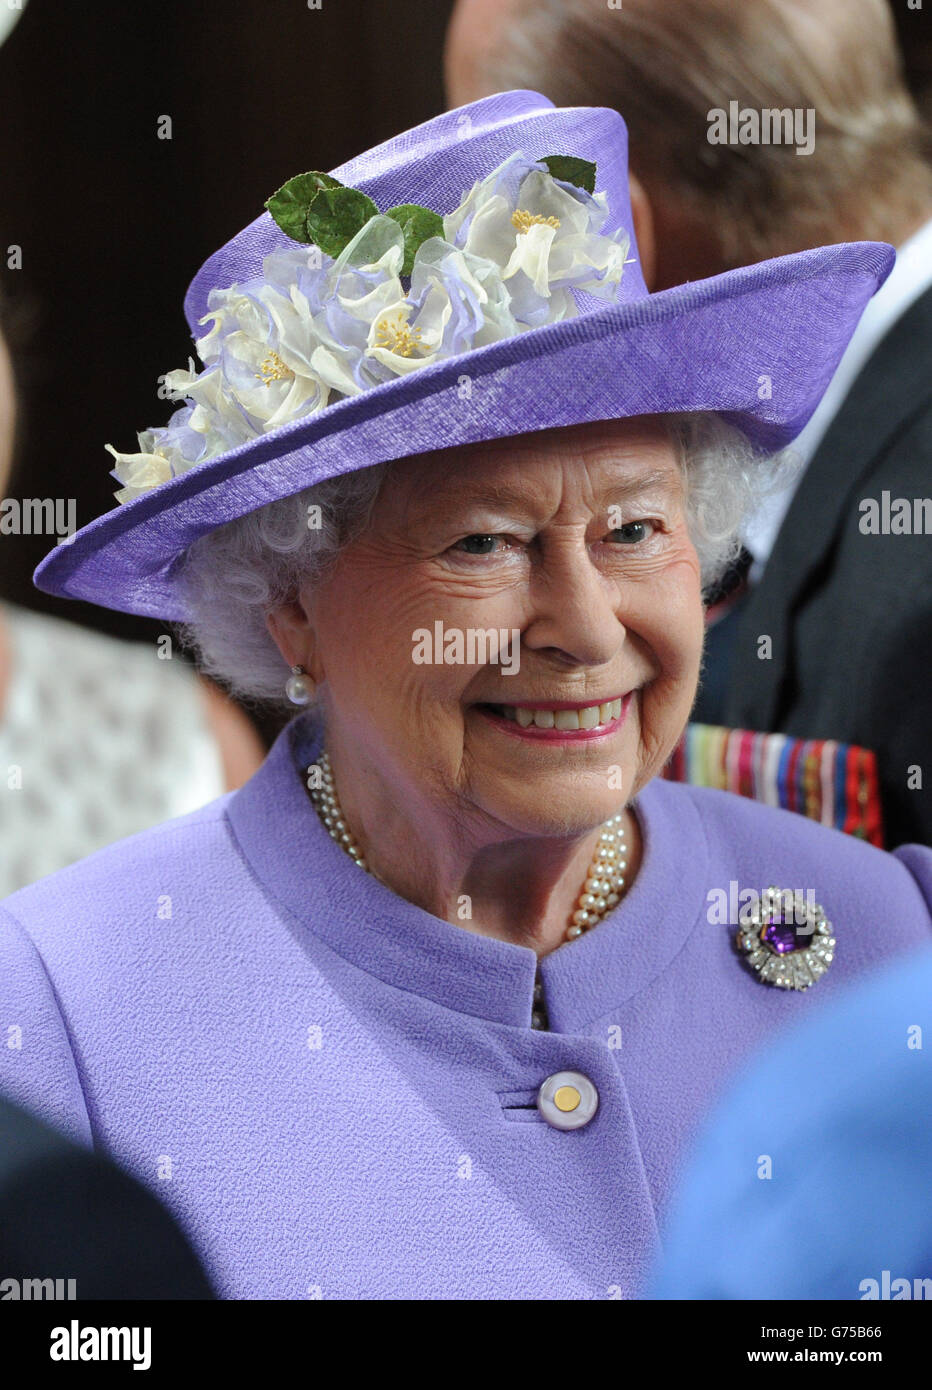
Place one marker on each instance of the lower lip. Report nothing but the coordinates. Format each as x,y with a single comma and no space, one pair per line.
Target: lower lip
535,735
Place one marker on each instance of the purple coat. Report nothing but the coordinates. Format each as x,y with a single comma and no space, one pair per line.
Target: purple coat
334,1091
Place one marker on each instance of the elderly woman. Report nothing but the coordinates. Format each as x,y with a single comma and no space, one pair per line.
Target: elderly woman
429,1007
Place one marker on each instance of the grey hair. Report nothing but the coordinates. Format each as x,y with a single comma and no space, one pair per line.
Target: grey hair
237,574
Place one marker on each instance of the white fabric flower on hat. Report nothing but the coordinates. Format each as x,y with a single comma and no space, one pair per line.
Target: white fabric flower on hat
544,234
362,285
140,472
457,301
163,453
257,355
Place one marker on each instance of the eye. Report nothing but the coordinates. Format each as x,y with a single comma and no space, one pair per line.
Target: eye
632,533
477,544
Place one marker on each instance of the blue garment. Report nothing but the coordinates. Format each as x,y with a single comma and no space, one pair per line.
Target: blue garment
842,1106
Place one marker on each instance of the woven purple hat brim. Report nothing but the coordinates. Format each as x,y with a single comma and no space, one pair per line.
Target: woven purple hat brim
704,346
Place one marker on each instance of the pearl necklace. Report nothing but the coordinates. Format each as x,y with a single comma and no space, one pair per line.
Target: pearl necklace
604,878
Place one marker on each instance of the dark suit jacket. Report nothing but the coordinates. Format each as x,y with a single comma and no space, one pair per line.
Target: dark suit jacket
849,614
67,1213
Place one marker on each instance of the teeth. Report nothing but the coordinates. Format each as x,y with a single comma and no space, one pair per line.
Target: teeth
588,718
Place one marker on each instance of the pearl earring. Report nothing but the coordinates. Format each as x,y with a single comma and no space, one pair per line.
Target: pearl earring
298,687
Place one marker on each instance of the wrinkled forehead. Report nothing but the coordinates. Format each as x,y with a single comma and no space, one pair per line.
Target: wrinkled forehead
596,462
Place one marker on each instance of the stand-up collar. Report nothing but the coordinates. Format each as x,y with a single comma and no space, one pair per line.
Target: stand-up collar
302,868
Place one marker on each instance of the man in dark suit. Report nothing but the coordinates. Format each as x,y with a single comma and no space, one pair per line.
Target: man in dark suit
67,1214
831,638
846,594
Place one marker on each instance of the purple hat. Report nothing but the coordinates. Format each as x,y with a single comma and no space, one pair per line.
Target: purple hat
473,278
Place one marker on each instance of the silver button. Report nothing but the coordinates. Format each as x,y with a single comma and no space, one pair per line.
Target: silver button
567,1100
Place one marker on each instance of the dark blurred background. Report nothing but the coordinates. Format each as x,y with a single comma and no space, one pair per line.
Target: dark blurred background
113,222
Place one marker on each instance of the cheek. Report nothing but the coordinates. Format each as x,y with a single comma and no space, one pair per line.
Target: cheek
366,641
671,620
673,628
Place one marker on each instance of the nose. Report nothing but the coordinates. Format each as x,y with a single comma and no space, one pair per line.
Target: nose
575,607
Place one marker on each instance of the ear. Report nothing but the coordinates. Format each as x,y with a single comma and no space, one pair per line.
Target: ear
293,635
643,218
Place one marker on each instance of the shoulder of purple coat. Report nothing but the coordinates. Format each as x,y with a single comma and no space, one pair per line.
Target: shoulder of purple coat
730,819
38,1068
83,920
760,845
113,870
917,859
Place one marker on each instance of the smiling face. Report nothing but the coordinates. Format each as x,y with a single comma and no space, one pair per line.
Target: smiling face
575,540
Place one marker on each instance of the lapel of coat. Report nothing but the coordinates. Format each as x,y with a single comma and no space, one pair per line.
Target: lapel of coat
893,386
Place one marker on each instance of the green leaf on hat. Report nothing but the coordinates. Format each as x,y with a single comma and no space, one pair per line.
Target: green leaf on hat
289,206
417,224
571,169
336,215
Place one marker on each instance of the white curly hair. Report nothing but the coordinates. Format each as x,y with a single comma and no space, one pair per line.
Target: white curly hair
235,575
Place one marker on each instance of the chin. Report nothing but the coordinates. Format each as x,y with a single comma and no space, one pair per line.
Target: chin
556,812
